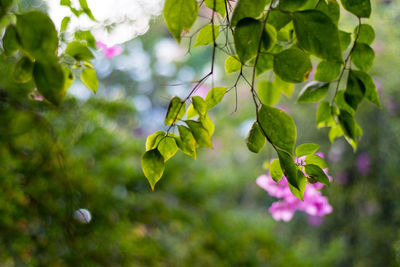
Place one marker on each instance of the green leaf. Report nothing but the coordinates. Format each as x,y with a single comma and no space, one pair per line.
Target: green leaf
265,62
180,15
360,8
306,149
191,112
199,105
38,35
363,56
167,147
89,79
10,41
200,133
219,6
49,79
316,160
324,117
79,51
342,103
330,8
215,96
289,168
176,110
68,78
279,128
153,166
207,124
268,93
87,37
317,34
313,92
205,36
292,65
334,132
327,71
247,9
355,91
275,170
23,70
366,34
186,141
371,93
269,37
64,24
86,9
348,124
279,19
255,140
345,40
232,64
315,172
153,140
291,5
301,180
246,36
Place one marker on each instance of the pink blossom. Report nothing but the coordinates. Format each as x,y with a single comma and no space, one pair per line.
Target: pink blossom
109,52
314,203
363,163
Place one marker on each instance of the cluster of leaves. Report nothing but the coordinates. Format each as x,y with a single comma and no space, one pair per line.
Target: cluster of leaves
279,37
32,44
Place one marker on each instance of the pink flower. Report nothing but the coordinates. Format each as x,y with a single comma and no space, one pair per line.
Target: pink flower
363,163
314,203
109,52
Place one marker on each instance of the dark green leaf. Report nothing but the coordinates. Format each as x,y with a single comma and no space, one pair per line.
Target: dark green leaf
371,94
205,36
345,40
199,105
180,15
279,128
269,37
38,35
327,71
355,90
306,149
317,34
317,173
342,103
313,92
292,65
302,183
49,79
360,8
79,51
200,133
23,70
176,110
268,93
366,34
186,141
10,41
324,117
291,5
247,9
316,160
219,6
265,62
275,170
246,36
255,140
153,166
330,8
348,124
232,64
89,79
363,56
215,96
289,168
279,19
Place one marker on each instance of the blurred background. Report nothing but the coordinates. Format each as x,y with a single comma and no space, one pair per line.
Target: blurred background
208,212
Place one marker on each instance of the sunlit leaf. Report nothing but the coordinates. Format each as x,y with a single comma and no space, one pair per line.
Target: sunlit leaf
292,65
360,8
313,92
247,9
89,79
215,96
200,133
186,141
176,110
316,173
205,36
306,149
255,139
275,170
153,166
180,15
